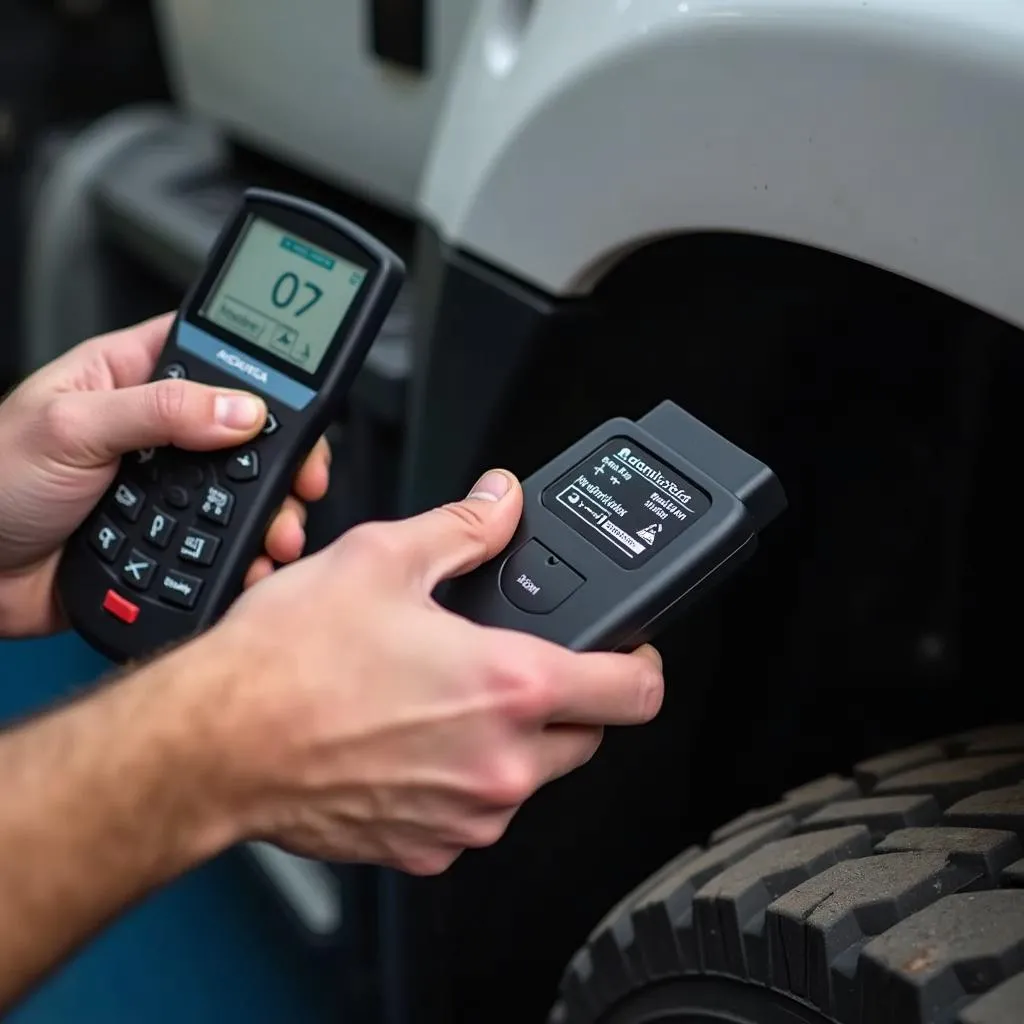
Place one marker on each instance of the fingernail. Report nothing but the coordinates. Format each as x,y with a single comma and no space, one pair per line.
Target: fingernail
491,486
653,655
238,412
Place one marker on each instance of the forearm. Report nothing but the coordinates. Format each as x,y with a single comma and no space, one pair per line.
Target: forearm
103,801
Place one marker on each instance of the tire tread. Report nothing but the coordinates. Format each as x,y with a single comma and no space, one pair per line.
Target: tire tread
892,897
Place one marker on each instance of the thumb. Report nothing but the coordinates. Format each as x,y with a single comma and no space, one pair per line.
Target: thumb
455,538
183,413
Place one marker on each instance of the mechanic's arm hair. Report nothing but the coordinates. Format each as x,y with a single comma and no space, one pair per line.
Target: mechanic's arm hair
103,800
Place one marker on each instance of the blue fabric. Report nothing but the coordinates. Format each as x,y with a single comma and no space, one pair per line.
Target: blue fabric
209,948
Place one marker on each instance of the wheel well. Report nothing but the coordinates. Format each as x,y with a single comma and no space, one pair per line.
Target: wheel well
888,410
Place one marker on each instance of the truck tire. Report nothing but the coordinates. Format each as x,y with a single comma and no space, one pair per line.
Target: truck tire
892,897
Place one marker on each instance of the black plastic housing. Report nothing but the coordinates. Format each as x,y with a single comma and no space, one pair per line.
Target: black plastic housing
731,497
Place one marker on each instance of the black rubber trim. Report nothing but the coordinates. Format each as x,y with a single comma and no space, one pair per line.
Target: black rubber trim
893,897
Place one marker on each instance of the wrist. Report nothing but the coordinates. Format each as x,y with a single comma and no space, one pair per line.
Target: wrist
238,727
169,707
228,732
27,605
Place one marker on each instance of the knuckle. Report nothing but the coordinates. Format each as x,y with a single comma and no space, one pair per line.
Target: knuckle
524,688
589,746
426,862
507,781
373,542
485,832
168,400
61,424
470,524
650,692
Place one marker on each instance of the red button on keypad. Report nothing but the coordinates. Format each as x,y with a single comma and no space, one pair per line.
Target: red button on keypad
120,607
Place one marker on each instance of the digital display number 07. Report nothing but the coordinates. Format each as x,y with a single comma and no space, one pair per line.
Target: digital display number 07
287,287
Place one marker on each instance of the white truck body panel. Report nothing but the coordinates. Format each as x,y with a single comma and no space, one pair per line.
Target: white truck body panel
299,81
891,131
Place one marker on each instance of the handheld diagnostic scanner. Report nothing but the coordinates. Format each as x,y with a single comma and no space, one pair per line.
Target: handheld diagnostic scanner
290,300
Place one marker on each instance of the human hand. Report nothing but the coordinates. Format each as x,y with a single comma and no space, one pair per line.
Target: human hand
62,432
354,719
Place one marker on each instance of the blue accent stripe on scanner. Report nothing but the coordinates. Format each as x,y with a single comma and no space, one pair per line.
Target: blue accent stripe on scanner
198,343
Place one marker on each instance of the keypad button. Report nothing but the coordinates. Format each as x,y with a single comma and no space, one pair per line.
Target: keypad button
176,371
178,588
143,464
176,496
217,505
181,468
183,474
159,527
271,425
128,500
120,607
198,547
137,569
244,465
106,539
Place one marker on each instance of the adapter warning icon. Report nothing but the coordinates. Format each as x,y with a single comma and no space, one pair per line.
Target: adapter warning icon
649,534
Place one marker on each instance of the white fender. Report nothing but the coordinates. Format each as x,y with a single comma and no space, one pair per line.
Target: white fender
891,131
299,81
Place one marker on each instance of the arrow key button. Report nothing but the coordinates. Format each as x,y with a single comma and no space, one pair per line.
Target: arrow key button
243,465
